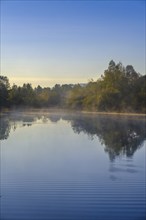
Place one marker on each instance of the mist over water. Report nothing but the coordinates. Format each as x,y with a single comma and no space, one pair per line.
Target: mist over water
57,165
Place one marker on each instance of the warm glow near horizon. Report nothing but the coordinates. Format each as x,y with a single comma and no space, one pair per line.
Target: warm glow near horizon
45,82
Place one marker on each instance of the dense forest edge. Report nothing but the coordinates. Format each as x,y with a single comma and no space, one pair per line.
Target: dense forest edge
120,89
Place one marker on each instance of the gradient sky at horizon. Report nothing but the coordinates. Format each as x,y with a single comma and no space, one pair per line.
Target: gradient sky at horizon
49,42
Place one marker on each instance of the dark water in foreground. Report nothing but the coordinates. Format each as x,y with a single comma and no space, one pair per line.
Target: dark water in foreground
67,166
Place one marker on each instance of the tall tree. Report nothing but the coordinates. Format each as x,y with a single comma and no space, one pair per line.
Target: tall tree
4,90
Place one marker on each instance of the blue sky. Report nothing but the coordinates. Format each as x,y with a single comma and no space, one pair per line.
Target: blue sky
48,42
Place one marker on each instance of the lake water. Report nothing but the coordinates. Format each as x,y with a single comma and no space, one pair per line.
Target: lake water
58,166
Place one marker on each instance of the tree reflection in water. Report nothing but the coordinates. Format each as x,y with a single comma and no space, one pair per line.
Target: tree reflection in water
119,135
4,128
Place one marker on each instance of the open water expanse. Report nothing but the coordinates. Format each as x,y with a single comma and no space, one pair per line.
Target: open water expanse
61,166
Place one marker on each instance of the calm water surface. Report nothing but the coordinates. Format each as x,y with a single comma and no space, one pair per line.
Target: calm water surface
70,167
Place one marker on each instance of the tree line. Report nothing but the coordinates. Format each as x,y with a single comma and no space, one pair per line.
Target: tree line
119,89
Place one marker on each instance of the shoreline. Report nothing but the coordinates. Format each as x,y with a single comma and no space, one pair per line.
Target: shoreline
115,113
61,110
